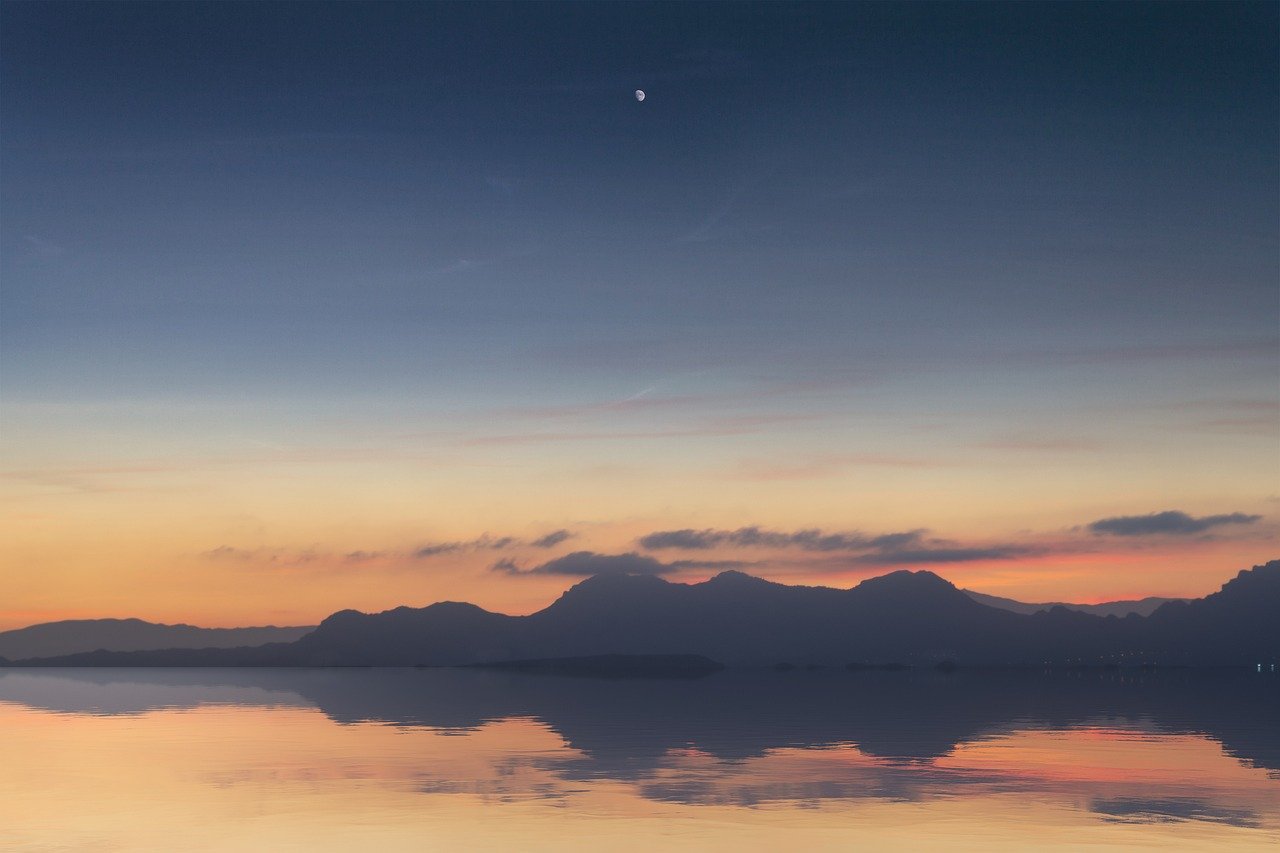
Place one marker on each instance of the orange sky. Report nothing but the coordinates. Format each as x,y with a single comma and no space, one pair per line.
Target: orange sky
286,536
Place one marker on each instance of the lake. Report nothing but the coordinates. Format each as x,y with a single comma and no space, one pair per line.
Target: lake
419,759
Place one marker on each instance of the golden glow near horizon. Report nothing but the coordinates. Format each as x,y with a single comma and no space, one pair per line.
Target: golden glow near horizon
289,536
195,526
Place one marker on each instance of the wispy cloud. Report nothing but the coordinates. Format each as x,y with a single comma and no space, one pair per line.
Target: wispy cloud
916,556
1169,522
1039,443
909,547
425,551
812,539
364,556
481,543
826,465
713,227
228,552
1242,348
727,426
588,563
552,539
642,400
278,556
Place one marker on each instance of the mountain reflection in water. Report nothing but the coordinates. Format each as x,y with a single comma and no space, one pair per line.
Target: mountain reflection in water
1097,752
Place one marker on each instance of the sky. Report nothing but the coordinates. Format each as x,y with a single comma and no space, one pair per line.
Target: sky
306,307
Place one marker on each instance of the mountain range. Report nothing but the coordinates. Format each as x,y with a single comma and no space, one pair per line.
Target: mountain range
51,639
911,618
1140,606
73,636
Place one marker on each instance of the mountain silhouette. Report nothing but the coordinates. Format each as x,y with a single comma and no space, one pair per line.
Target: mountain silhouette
50,639
1140,606
911,618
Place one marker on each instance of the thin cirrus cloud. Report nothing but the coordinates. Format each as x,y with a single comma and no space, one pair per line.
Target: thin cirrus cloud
591,563
278,556
727,426
889,549
812,539
552,539
286,556
587,563
481,543
816,467
910,556
1034,443
1169,522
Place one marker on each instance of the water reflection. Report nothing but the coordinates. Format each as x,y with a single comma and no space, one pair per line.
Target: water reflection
1131,752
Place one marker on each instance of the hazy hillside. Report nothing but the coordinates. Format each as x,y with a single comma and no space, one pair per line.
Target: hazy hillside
1141,606
51,639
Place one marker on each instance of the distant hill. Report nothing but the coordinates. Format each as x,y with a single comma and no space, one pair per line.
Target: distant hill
52,639
1141,606
912,618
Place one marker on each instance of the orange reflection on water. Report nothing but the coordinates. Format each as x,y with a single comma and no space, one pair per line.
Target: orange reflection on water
235,777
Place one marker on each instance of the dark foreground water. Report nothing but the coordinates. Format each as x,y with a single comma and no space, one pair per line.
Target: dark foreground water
395,759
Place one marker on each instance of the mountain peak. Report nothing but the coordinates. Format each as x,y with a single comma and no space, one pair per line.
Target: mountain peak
921,590
733,577
610,585
619,580
907,580
1250,583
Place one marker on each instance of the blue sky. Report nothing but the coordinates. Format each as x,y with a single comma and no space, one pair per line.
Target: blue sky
830,232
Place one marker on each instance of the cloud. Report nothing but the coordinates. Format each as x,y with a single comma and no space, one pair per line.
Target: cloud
363,556
911,556
641,400
1170,522
276,556
898,540
713,227
811,539
1039,443
1261,347
686,539
294,556
587,563
717,565
552,539
716,427
827,465
482,543
908,547
506,566
438,548
227,552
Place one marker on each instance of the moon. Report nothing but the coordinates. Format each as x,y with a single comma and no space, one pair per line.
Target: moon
639,94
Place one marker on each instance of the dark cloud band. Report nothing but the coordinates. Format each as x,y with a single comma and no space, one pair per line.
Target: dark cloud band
1170,522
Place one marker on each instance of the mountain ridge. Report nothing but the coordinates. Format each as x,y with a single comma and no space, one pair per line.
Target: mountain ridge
72,636
903,617
1121,607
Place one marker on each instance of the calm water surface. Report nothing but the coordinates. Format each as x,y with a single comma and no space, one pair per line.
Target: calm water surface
457,760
